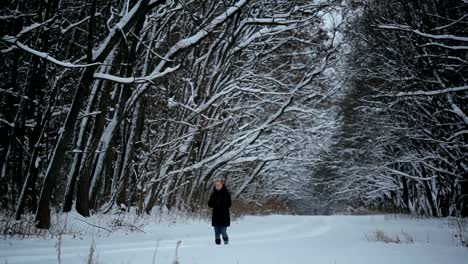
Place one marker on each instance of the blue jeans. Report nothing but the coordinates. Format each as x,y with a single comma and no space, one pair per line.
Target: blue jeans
221,230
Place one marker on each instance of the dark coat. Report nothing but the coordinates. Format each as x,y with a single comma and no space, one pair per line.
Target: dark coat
220,201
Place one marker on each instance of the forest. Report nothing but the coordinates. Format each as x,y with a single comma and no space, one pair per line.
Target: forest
329,106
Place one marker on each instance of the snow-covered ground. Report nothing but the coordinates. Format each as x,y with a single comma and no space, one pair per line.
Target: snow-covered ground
253,239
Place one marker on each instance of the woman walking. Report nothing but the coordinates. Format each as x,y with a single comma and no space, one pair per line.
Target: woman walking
220,201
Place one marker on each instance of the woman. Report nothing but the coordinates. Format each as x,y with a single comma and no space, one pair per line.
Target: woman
220,201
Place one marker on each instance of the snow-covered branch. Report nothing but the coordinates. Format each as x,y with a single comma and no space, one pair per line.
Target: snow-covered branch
14,41
432,36
134,80
201,34
7,123
435,92
33,27
64,30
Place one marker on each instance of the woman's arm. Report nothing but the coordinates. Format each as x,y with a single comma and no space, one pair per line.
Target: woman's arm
211,201
229,202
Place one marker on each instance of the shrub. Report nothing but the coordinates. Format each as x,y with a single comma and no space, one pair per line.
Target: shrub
381,236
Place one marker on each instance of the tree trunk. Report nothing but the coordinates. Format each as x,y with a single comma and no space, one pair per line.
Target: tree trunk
79,154
99,125
80,158
43,211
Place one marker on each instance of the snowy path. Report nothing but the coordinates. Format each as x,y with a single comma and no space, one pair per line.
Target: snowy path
269,239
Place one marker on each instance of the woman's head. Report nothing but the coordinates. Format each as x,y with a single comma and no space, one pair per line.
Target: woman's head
219,183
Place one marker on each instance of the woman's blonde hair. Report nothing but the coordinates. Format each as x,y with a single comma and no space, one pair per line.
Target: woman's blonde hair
219,180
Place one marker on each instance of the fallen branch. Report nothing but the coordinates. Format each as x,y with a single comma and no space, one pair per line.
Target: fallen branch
133,226
110,231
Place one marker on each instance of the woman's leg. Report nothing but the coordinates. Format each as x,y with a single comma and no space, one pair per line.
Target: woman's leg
217,230
223,231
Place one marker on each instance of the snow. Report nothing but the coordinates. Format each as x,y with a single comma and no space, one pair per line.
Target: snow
38,161
253,239
331,22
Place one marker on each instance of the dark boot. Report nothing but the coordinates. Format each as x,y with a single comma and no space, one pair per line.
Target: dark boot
218,241
226,240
